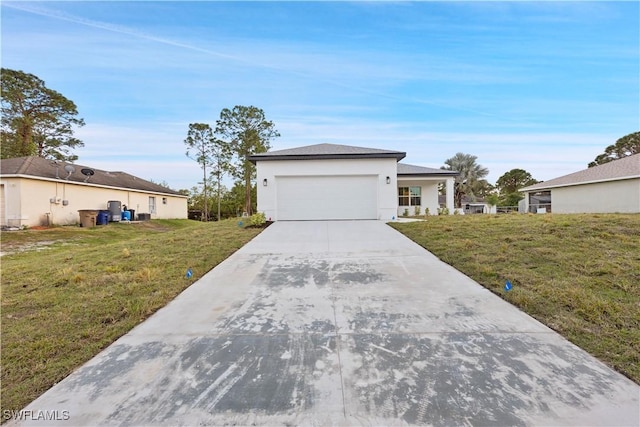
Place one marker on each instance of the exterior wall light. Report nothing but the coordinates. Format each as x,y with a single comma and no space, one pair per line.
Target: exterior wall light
388,180
264,182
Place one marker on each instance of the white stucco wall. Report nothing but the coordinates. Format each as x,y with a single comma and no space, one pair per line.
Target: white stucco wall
604,197
272,169
428,196
29,201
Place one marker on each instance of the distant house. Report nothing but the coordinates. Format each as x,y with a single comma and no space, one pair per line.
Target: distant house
470,205
36,191
611,187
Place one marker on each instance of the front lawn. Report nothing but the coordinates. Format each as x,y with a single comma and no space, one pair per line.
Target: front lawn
578,274
68,292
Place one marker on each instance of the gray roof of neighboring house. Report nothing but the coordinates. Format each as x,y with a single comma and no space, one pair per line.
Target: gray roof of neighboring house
625,168
327,151
412,170
39,167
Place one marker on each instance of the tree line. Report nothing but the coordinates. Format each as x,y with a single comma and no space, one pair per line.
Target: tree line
39,121
239,133
470,182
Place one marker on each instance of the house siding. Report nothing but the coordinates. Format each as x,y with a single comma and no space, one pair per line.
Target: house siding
28,201
604,197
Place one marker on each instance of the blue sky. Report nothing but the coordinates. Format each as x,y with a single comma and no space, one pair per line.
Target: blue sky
542,86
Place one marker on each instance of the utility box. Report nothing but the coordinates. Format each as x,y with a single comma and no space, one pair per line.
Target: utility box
115,210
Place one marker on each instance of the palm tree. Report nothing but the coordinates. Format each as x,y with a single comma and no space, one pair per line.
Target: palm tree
471,174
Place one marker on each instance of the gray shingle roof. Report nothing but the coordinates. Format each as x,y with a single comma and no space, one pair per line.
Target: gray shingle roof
44,168
625,168
327,151
413,170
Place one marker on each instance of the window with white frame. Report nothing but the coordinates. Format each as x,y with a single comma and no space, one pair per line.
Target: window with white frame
152,204
409,196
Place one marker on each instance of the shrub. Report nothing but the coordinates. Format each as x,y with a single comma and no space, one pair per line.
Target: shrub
257,219
443,211
416,210
406,212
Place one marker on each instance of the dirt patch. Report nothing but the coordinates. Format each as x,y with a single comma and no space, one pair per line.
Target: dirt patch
31,246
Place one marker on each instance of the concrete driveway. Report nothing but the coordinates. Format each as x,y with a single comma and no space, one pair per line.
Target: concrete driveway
340,323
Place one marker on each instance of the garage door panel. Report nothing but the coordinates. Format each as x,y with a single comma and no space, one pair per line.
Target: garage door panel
327,197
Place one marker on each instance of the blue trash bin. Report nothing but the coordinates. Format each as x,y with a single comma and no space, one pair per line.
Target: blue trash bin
103,218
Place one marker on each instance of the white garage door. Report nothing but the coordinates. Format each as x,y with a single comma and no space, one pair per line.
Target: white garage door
327,197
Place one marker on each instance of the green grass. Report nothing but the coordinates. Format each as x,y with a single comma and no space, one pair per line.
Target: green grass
578,274
63,304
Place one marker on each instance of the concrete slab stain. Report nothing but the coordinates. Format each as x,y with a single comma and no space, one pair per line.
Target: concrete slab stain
295,273
465,379
96,378
368,321
298,272
217,374
355,272
460,310
255,318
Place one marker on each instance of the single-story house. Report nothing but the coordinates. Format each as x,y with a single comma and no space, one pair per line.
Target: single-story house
607,188
37,191
329,181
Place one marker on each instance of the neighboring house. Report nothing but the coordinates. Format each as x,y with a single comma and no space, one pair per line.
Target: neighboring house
610,187
327,181
36,191
471,206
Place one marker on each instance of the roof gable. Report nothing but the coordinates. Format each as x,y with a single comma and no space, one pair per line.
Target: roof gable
39,167
625,168
327,151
